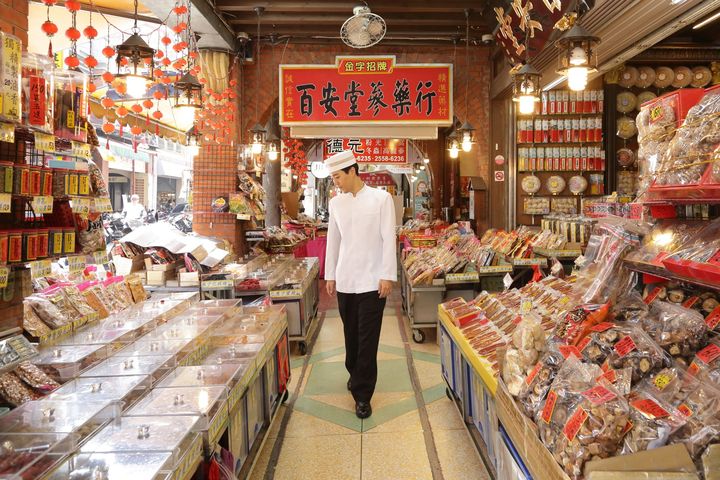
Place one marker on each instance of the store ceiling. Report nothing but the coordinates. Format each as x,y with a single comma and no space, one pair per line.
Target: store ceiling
319,21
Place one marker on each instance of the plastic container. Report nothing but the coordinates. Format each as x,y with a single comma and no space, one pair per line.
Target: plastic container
157,366
135,466
6,177
55,242
46,188
70,105
68,240
37,92
15,246
42,243
65,362
29,244
60,182
35,180
93,389
21,180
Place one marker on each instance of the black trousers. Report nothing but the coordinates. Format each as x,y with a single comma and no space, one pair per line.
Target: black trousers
361,315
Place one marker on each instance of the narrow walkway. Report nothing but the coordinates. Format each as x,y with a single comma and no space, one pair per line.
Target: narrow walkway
323,438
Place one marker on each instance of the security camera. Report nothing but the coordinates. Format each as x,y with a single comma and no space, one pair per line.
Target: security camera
487,39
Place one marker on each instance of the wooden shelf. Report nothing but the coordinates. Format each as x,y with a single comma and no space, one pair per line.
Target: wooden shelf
663,272
549,144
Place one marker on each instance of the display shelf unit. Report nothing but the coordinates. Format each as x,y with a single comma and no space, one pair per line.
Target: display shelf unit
662,272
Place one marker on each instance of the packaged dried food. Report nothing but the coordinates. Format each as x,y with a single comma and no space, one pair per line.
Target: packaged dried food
136,288
35,378
706,364
581,419
630,308
701,408
93,300
32,323
528,341
680,331
578,322
631,347
10,70
91,233
538,381
76,299
652,422
70,106
14,391
97,182
48,311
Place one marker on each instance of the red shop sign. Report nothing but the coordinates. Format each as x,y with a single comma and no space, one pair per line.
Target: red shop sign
366,90
368,150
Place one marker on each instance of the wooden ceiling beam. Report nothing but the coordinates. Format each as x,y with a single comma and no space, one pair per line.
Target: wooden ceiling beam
306,19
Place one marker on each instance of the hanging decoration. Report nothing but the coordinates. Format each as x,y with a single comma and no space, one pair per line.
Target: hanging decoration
73,34
578,57
526,78
295,158
467,131
135,62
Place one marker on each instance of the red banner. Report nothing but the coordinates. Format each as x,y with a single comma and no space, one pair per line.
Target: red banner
368,150
366,90
378,179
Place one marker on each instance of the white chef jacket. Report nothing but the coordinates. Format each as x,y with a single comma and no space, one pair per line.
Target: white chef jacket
361,241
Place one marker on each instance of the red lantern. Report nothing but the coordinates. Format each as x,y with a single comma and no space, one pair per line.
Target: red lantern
167,80
92,87
193,54
159,54
157,114
72,61
108,128
108,51
233,82
107,102
179,63
166,40
49,3
180,27
158,73
166,61
147,103
91,61
121,111
90,32
136,108
49,28
147,61
158,94
72,5
180,10
121,88
123,61
73,34
108,77
135,130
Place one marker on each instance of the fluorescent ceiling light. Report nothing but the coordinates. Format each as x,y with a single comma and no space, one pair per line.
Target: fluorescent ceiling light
706,21
553,84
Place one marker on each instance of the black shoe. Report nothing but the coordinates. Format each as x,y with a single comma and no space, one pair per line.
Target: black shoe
363,409
349,385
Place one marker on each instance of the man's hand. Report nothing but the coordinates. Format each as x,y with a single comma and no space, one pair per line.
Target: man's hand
385,288
330,285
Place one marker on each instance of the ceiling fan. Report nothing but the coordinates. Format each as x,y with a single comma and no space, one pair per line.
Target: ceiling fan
364,29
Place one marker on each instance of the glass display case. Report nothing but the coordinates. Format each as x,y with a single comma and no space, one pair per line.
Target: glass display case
205,375
114,466
144,347
53,416
221,352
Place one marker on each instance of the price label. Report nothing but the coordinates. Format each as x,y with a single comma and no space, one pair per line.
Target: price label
625,346
507,280
610,376
583,343
567,350
5,203
103,205
549,406
649,408
80,205
4,275
708,354
43,204
601,327
40,269
526,306
662,381
653,295
599,395
713,319
217,284
7,132
690,302
76,263
685,410
44,142
82,150
533,373
573,425
100,258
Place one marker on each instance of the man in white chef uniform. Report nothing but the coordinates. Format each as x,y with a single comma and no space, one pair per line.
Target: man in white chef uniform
361,266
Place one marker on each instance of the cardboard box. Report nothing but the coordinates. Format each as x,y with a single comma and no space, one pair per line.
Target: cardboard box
157,278
126,266
189,279
711,462
669,462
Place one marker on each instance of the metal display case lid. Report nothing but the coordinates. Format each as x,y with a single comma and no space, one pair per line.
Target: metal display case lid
92,389
114,466
124,366
51,416
205,375
146,434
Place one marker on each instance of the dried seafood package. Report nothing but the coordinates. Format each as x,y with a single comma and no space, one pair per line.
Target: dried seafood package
652,422
678,330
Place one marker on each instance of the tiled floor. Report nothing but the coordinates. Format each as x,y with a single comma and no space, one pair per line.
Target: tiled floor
324,439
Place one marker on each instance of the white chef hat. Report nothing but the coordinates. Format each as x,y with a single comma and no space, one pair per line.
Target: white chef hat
340,160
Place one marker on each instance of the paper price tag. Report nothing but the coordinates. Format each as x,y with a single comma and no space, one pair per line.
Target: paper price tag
599,395
708,354
76,263
662,381
7,132
43,204
649,408
713,319
573,425
549,406
40,269
531,376
44,142
4,275
100,258
80,205
103,205
5,202
82,150
526,306
567,350
507,280
625,346
601,327
653,295
685,410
